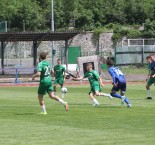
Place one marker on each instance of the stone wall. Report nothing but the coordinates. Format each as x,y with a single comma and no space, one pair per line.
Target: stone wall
86,42
19,51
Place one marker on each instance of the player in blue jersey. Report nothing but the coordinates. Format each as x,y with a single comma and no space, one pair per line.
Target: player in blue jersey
119,83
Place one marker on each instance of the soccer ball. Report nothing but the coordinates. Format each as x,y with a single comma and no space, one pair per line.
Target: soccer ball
64,90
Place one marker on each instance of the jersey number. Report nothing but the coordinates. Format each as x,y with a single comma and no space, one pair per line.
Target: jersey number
47,70
118,72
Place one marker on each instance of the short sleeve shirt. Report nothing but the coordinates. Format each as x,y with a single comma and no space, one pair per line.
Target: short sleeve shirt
45,69
59,71
93,77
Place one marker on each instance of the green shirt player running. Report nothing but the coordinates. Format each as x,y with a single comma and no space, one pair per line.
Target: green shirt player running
44,72
95,83
151,76
59,73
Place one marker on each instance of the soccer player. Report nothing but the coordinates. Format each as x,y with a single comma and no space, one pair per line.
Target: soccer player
151,79
148,59
44,72
60,75
95,83
119,82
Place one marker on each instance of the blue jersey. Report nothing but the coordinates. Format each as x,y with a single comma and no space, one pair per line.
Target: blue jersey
116,74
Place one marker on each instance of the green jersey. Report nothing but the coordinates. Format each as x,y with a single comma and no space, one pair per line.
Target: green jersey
45,69
59,71
149,66
93,77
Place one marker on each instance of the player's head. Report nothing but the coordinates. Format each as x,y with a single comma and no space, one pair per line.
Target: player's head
148,59
59,62
110,63
42,56
152,57
89,66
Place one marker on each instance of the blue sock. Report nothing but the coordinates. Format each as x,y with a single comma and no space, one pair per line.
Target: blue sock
116,95
120,97
127,100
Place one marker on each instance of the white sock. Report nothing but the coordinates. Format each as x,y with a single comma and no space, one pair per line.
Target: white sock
95,101
62,95
43,108
149,93
61,101
103,94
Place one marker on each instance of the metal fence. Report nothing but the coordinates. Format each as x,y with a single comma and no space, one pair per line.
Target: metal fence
136,54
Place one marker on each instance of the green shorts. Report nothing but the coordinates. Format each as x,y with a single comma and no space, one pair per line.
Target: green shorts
151,81
43,89
59,81
95,88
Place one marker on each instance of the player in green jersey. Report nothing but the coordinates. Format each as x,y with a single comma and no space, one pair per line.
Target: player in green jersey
151,77
95,83
44,72
59,73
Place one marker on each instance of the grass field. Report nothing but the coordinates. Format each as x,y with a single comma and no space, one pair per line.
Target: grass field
108,124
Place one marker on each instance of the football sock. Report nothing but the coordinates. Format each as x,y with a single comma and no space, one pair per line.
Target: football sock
43,108
61,101
103,94
149,93
62,95
95,101
127,100
116,95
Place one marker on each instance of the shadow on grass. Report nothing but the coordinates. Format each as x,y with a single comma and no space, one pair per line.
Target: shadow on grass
25,114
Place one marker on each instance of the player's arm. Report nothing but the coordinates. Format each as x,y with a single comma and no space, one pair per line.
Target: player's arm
153,70
113,77
78,79
99,78
64,71
149,74
101,82
36,75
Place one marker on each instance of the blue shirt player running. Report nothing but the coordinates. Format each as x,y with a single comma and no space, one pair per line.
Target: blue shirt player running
119,83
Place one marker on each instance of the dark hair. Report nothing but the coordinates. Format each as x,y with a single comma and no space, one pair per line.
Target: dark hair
59,59
43,55
89,64
110,62
148,57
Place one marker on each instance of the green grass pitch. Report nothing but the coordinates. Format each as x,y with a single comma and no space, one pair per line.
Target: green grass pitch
108,124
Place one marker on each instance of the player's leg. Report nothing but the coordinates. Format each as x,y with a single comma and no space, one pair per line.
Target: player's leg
55,85
114,90
41,93
99,93
53,96
125,99
94,100
61,83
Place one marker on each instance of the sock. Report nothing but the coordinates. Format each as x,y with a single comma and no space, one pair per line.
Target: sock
149,93
61,101
95,101
116,95
103,94
62,95
127,100
43,108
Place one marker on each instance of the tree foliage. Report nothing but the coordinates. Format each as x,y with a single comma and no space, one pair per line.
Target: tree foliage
82,14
